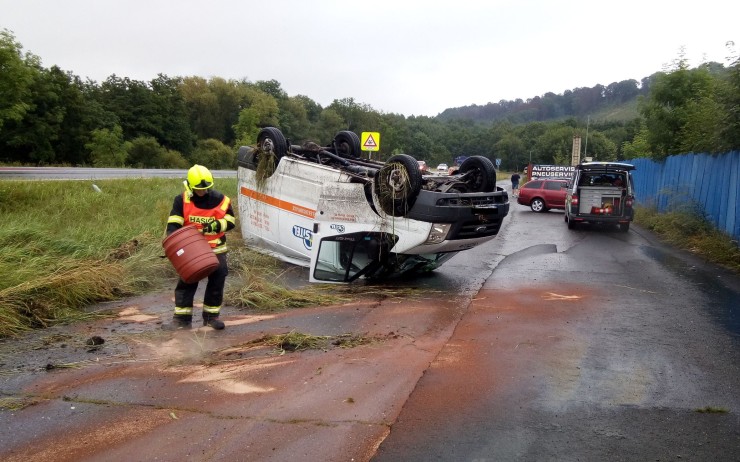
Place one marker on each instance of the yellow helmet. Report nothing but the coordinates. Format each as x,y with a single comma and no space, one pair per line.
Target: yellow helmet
199,177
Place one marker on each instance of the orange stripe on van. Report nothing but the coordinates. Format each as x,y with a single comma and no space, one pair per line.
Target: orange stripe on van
275,202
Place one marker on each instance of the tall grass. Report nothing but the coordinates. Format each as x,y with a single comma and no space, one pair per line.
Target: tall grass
66,246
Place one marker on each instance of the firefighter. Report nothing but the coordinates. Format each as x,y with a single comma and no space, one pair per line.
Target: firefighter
211,212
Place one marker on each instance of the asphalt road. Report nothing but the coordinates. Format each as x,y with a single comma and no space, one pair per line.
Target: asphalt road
543,344
582,345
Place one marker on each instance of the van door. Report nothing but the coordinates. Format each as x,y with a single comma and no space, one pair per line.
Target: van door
346,235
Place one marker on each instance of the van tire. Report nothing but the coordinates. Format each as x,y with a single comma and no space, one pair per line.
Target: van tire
624,227
482,176
347,144
397,185
272,142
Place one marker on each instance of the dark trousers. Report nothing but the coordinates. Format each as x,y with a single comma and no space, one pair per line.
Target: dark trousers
214,296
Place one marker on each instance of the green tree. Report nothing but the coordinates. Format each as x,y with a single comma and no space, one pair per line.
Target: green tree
81,115
353,113
262,111
512,152
330,122
555,143
15,79
171,115
293,119
729,97
107,147
169,158
31,138
638,147
214,154
213,106
702,127
145,152
600,147
666,108
145,112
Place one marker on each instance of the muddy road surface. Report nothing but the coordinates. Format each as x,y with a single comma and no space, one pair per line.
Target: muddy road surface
544,344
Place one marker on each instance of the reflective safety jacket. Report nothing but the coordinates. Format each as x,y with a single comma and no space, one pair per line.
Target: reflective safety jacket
185,212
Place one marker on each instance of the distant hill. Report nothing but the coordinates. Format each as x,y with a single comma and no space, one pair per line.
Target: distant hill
614,102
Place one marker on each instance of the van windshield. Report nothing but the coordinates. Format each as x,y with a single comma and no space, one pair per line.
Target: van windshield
346,257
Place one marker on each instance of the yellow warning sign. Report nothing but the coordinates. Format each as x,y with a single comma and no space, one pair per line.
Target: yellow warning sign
370,141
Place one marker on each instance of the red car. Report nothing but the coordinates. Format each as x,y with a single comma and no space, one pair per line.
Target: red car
543,194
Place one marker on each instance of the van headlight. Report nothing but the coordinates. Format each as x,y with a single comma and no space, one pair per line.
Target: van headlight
438,233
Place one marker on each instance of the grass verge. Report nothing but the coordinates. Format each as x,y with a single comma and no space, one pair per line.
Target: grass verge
66,246
689,230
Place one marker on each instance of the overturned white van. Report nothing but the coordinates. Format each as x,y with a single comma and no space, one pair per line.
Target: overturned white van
344,217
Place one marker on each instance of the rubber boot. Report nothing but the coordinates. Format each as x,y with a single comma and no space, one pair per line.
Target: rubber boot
213,321
178,323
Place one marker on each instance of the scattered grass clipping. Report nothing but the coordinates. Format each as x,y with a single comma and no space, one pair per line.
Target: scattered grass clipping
712,410
14,403
266,165
297,341
255,283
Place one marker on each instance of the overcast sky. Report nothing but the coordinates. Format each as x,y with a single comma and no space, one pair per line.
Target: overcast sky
411,57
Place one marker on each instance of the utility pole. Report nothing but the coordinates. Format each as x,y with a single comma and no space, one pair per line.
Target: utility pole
585,148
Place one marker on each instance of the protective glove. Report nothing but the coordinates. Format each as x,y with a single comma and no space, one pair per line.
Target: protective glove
212,227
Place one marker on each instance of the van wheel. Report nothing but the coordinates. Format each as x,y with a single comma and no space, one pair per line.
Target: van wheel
624,227
571,223
347,144
481,174
271,147
397,185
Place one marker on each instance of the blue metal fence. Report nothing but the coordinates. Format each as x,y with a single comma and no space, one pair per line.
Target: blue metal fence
703,182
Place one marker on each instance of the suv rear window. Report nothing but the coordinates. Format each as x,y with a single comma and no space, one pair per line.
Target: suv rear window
602,179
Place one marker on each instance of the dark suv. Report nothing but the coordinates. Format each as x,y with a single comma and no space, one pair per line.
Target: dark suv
601,193
544,194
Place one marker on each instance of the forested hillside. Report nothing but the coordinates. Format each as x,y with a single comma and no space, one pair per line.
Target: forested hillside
614,102
49,116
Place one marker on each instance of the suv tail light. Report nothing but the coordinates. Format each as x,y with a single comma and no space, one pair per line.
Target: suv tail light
628,201
574,199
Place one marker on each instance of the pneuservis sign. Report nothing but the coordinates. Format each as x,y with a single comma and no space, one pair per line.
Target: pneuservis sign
552,171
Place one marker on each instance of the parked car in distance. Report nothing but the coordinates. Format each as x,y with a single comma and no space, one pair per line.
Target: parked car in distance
601,193
442,168
423,168
542,195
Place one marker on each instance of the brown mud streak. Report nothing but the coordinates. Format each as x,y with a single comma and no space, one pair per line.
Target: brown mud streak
502,339
331,403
